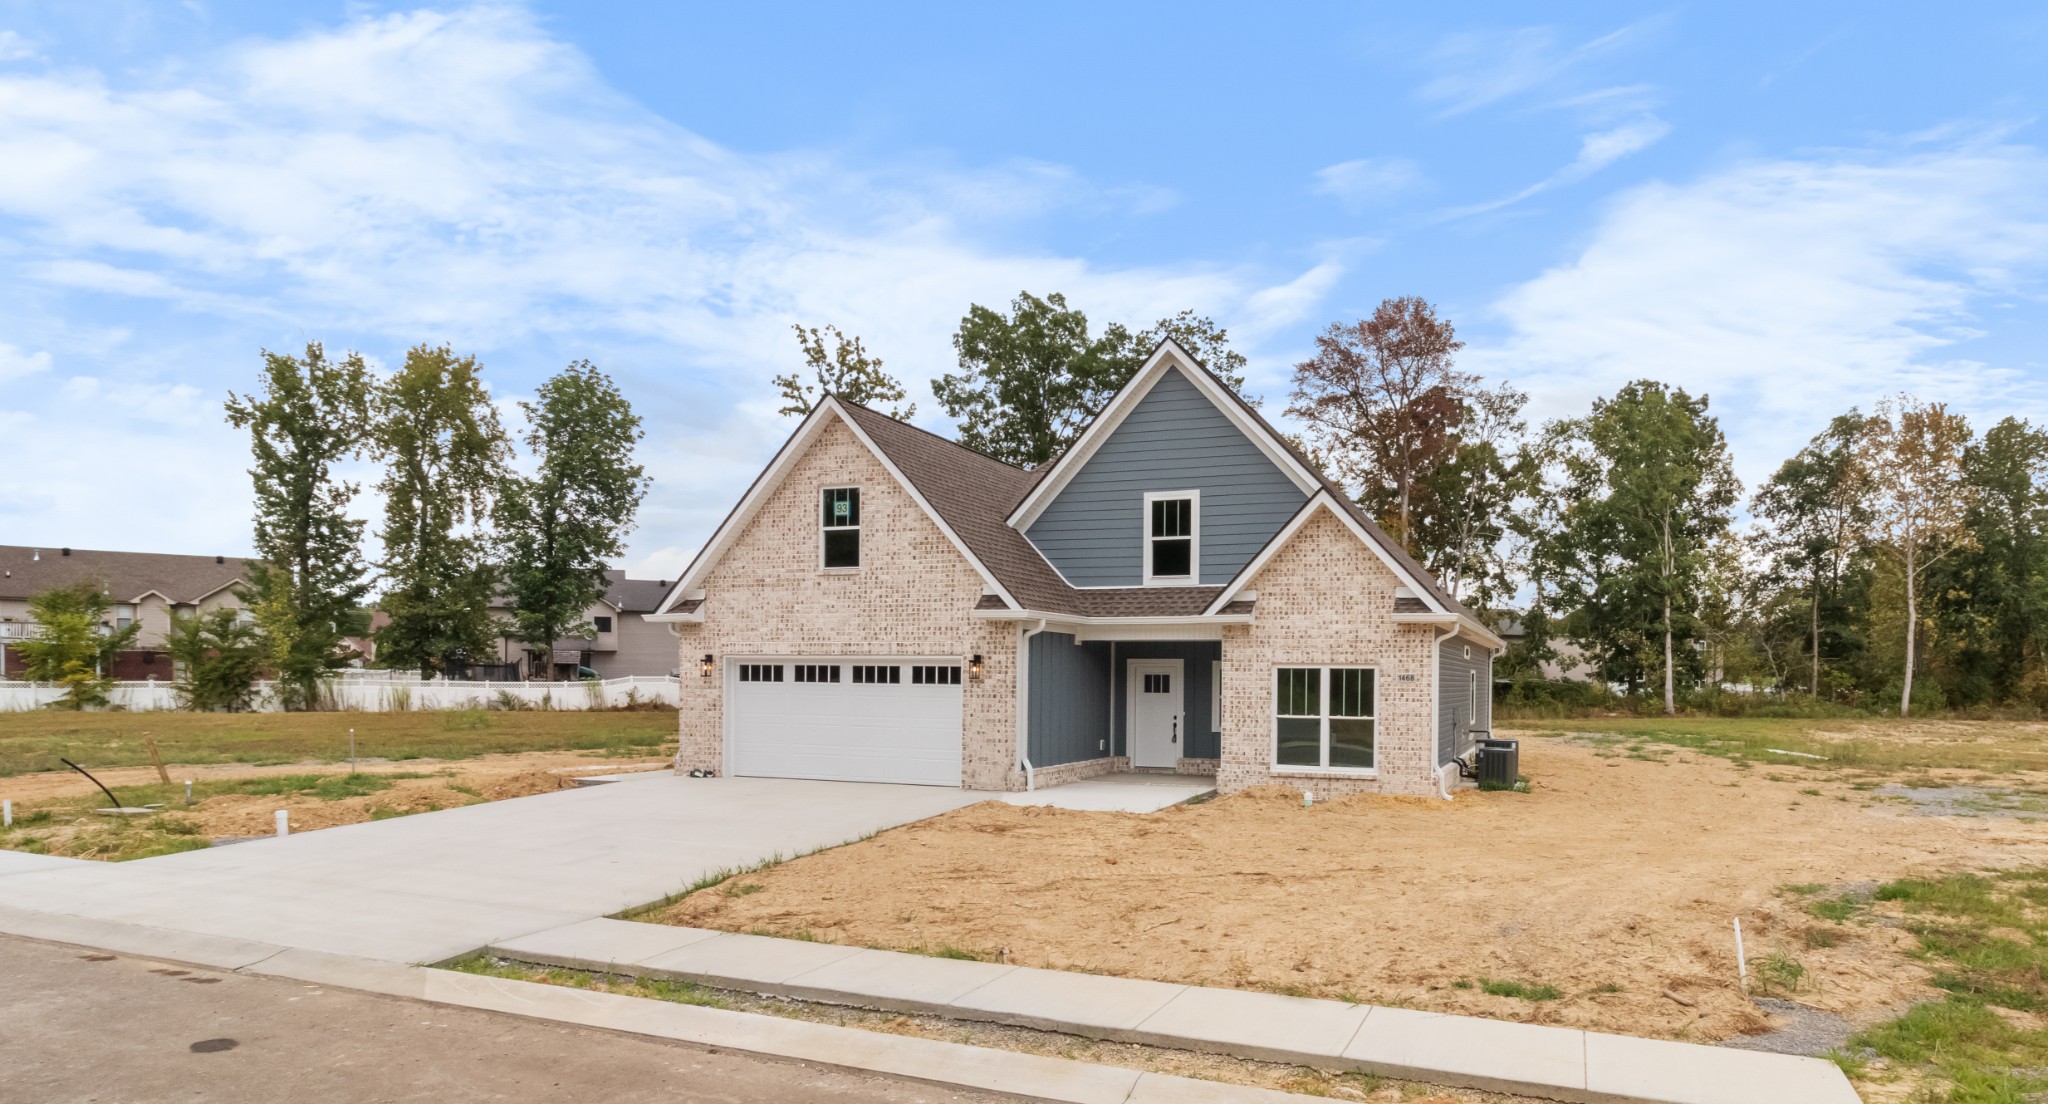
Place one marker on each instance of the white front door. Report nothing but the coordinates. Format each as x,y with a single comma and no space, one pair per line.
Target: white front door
1157,696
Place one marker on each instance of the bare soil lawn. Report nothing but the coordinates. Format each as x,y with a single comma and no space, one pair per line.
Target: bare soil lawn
1602,899
54,810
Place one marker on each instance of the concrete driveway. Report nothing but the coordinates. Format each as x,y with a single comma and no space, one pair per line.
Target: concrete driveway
427,887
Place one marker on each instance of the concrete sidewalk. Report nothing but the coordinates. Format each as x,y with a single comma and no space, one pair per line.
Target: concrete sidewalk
1557,1063
427,887
1131,792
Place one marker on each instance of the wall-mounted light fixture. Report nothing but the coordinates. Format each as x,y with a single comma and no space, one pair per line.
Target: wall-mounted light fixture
974,667
705,665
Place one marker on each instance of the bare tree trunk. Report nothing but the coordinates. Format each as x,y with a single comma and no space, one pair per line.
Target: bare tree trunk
1670,703
1813,608
1912,632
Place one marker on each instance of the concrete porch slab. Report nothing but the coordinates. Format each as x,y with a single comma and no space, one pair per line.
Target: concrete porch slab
1119,793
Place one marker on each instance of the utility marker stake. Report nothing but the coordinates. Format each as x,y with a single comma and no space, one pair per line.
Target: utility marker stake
1741,963
6,814
351,751
188,791
284,824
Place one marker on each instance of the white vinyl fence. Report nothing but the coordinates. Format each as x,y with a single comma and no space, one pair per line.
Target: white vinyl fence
393,695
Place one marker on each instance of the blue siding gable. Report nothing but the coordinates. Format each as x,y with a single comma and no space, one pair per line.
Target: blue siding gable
1174,439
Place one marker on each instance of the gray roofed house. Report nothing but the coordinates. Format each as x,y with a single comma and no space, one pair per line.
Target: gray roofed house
1179,591
145,588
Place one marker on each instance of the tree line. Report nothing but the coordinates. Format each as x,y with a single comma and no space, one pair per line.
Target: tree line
462,526
1896,562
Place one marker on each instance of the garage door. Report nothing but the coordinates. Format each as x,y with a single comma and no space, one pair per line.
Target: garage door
846,720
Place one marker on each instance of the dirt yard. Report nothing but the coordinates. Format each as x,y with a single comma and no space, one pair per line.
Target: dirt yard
1602,899
54,810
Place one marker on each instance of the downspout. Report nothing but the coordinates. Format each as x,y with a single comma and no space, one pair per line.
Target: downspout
1024,705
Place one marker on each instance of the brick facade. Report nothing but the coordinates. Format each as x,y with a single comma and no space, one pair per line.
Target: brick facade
767,596
1322,600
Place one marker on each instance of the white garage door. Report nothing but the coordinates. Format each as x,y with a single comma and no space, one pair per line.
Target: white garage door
849,720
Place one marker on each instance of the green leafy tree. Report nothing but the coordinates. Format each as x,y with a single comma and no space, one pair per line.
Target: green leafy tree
1815,512
1648,488
1991,596
309,579
444,455
219,657
845,370
75,643
1032,380
1466,507
1384,400
564,523
1919,501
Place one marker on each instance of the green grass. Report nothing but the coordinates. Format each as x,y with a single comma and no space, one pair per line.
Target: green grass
1996,747
35,741
675,992
1986,938
1520,990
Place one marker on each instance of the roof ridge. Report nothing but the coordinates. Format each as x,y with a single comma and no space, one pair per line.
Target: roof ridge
939,437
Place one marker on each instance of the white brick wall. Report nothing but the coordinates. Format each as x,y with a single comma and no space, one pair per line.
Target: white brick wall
1327,599
910,597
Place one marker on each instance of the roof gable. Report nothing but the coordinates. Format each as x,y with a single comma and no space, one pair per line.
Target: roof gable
1168,357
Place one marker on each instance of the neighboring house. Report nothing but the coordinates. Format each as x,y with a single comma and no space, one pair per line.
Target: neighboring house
1568,661
624,641
146,588
1180,591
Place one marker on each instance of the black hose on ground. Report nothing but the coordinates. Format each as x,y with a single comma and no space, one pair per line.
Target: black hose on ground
94,781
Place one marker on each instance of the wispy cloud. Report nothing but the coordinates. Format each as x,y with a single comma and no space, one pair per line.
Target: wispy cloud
1793,289
1476,69
1596,151
461,175
1368,180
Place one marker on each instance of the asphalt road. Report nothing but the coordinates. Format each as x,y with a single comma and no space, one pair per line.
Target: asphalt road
79,1025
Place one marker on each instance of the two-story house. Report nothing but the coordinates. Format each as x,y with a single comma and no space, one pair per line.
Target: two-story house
621,642
1180,591
145,588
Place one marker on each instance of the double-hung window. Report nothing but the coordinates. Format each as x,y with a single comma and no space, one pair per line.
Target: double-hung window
1323,717
841,527
1172,536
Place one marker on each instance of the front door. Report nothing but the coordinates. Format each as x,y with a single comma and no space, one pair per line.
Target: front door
1157,696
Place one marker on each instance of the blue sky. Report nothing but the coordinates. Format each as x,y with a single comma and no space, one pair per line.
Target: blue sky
1795,208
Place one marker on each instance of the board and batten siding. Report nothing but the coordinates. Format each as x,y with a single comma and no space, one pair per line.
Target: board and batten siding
1069,706
1174,439
1455,673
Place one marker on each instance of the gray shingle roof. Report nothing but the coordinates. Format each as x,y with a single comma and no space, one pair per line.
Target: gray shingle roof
27,571
635,595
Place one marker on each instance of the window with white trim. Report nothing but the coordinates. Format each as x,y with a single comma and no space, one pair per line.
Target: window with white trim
1172,536
1323,717
840,527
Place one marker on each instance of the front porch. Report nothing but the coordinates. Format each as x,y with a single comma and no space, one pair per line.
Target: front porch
1090,707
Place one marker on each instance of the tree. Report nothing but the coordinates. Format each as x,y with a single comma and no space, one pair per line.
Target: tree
564,523
1465,511
846,371
1384,400
444,455
74,644
1031,381
1919,501
218,657
309,580
1815,508
1990,598
1648,488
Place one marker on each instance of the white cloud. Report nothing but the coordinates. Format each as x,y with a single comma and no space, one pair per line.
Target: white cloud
1596,152
1478,69
1368,180
13,47
16,363
461,176
1791,290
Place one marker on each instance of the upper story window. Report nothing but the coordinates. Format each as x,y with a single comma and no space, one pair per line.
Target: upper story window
841,527
1172,536
604,624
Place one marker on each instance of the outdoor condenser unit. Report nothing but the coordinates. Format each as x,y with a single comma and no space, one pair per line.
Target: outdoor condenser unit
1498,762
